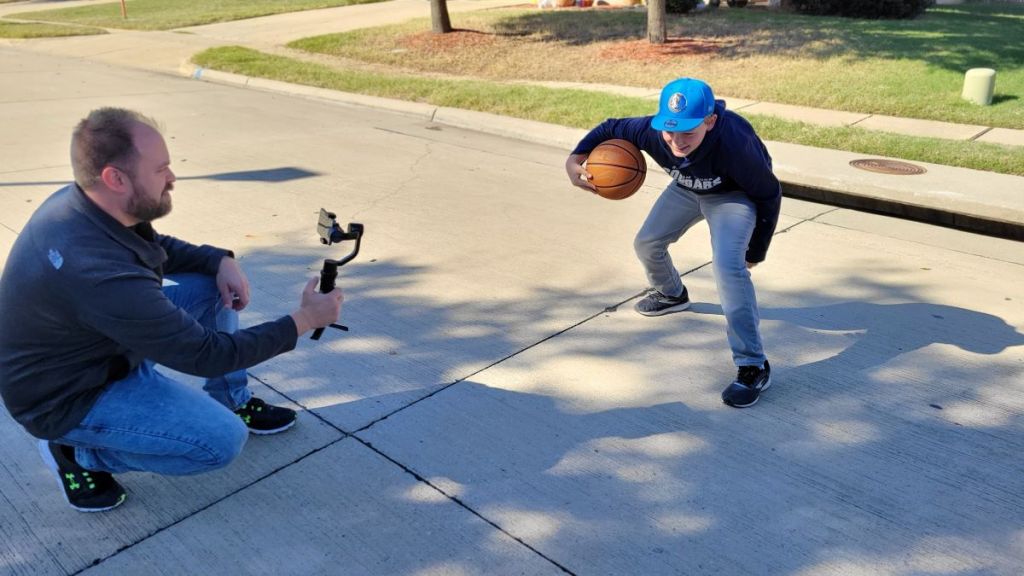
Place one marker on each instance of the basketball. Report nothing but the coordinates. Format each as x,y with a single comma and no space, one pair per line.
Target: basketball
618,169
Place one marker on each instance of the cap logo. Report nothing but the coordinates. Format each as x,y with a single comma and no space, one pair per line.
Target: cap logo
676,103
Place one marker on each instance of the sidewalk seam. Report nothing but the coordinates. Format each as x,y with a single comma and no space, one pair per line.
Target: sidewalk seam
97,561
859,121
457,501
980,134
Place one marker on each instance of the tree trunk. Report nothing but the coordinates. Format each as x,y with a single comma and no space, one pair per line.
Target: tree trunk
440,22
656,21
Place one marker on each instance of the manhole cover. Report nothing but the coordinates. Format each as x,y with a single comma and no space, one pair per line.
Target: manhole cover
887,166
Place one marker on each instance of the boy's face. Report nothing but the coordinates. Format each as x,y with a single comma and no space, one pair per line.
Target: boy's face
681,144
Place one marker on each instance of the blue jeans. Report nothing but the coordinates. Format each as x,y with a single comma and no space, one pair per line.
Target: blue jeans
149,422
731,217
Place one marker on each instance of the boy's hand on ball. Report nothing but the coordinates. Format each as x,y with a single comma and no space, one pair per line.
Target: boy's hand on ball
578,175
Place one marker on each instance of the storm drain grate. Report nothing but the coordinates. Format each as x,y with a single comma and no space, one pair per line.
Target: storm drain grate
881,166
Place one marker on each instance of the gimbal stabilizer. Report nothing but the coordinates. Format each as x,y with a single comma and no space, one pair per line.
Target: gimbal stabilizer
329,231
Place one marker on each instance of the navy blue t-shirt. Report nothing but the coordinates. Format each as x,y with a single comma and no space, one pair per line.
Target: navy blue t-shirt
731,158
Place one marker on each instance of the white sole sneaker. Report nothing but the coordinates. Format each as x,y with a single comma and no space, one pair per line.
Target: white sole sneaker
662,311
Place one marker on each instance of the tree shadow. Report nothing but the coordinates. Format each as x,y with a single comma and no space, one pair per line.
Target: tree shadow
971,36
272,175
829,467
950,38
885,331
836,460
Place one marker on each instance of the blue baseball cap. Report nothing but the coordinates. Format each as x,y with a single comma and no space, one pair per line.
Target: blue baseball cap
684,104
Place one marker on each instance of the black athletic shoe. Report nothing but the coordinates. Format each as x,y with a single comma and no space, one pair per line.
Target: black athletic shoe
656,303
263,418
85,490
746,389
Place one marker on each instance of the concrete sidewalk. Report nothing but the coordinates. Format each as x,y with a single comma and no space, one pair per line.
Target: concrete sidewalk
971,200
824,117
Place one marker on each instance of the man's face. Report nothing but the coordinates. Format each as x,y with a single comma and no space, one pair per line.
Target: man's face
682,144
152,179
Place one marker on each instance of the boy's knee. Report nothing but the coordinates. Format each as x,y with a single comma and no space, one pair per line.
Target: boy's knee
733,271
645,246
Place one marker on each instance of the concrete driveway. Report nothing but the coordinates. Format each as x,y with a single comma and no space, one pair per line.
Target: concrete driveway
498,408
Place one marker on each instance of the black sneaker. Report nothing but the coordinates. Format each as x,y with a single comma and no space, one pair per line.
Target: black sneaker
746,389
656,303
263,418
85,490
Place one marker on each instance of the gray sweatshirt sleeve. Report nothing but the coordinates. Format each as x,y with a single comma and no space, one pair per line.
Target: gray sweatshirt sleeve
132,310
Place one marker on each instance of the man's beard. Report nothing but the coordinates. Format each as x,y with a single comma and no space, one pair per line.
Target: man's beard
146,209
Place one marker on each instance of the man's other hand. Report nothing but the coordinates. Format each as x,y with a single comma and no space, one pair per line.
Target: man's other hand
232,284
317,310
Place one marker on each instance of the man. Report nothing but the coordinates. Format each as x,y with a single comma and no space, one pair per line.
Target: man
721,172
88,312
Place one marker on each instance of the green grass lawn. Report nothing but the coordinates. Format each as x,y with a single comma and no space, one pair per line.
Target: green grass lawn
170,14
34,30
909,68
906,68
584,109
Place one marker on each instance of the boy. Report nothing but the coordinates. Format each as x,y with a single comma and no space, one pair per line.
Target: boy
721,172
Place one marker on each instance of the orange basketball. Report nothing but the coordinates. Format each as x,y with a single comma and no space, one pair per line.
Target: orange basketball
618,169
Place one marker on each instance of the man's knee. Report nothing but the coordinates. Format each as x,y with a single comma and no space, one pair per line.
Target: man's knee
221,446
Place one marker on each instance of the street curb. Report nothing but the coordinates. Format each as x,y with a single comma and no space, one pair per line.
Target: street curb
566,138
424,111
1007,229
528,130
